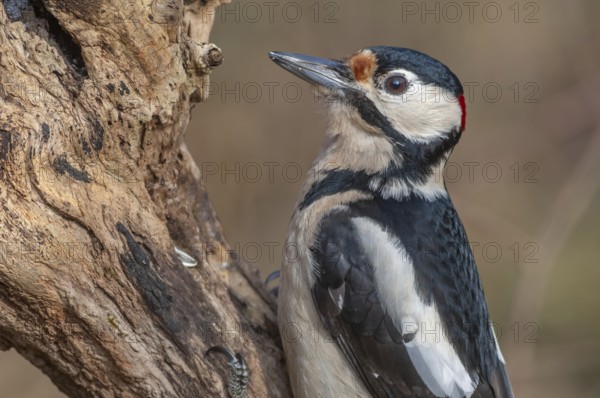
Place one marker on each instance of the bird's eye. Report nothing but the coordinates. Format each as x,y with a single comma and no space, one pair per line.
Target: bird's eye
395,84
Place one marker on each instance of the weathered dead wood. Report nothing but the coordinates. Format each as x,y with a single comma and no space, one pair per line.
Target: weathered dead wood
96,188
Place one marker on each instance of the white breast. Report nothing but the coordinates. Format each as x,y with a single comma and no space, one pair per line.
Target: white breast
316,365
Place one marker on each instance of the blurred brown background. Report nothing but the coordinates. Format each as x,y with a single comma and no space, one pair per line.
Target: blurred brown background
525,177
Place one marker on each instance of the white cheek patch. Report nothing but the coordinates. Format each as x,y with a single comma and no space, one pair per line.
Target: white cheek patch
422,111
430,350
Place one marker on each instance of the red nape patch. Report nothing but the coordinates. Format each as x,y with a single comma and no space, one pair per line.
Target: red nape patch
463,108
362,65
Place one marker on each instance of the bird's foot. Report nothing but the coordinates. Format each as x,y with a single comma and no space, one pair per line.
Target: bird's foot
238,372
273,276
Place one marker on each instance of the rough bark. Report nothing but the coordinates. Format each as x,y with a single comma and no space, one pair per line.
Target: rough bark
96,189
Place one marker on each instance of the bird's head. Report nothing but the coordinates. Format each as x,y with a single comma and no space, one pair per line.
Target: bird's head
402,102
418,96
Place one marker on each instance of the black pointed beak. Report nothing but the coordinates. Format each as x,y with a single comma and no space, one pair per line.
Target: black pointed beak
328,73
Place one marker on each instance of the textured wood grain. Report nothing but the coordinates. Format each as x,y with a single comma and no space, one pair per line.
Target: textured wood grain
96,188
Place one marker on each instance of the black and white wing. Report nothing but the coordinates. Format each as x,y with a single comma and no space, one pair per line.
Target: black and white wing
397,334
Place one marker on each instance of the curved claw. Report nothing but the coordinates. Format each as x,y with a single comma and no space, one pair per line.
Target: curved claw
273,276
186,260
238,372
231,357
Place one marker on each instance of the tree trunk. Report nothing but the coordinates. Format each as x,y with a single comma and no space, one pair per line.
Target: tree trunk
96,189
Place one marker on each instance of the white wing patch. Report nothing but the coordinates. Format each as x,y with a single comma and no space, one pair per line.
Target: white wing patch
430,351
500,356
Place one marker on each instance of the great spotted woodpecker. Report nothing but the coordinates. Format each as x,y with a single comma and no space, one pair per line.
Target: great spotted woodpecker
383,298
